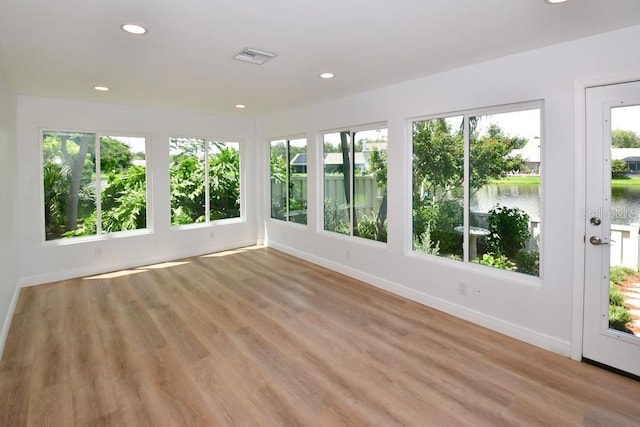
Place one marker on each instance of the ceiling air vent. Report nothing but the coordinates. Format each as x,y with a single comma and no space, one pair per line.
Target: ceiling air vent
254,56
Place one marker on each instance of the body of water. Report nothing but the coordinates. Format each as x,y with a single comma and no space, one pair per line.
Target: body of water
523,196
625,205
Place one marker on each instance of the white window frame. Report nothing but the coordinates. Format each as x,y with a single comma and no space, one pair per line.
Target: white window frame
321,137
208,222
287,140
482,111
100,234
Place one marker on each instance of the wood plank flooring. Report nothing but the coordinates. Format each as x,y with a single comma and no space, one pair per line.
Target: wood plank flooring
256,337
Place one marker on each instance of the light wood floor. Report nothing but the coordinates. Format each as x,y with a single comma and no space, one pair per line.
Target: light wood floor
256,337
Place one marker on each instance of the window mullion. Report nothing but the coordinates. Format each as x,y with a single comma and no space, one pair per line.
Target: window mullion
287,156
466,187
352,181
98,169
207,187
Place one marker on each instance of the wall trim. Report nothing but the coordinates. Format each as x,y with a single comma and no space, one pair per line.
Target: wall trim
141,262
506,328
6,325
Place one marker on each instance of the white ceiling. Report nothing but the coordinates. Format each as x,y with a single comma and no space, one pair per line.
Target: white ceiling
64,48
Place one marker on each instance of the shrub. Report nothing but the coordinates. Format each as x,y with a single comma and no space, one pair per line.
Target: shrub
618,274
335,219
424,243
615,295
509,229
619,168
440,218
619,317
496,261
369,227
528,262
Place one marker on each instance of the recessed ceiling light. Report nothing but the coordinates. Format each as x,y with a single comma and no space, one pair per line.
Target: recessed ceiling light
555,1
101,88
134,29
240,106
326,75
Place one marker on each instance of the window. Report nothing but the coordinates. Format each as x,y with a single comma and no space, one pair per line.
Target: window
476,185
288,160
204,180
355,183
92,189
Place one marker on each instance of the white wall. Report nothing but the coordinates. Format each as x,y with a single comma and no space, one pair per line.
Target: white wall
8,254
538,311
44,262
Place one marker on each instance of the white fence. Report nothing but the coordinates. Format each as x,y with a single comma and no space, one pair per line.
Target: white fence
624,245
367,194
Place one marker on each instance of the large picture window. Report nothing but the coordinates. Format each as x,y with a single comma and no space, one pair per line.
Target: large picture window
204,180
288,165
476,187
93,184
355,183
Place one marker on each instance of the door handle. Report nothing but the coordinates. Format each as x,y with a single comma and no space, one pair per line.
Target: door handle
594,240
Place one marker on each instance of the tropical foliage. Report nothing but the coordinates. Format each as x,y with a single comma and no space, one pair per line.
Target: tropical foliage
188,181
74,170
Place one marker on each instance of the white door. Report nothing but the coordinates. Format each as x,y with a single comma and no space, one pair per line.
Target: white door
612,218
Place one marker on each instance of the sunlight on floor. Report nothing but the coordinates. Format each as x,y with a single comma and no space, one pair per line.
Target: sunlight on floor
114,274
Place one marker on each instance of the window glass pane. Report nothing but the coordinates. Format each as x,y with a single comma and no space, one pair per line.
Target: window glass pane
298,180
370,184
187,181
624,303
278,162
505,190
69,184
438,172
337,182
123,183
224,180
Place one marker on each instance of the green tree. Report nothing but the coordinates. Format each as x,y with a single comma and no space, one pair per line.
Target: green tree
56,189
124,200
625,139
378,168
72,152
490,157
438,158
114,155
438,174
619,168
187,190
224,184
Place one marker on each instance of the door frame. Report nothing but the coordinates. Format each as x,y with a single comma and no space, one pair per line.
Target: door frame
580,200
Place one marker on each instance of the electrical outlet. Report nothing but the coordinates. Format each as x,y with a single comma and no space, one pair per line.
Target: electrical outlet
97,251
348,254
463,289
212,234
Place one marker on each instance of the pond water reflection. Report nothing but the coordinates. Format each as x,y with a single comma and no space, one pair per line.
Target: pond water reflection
625,206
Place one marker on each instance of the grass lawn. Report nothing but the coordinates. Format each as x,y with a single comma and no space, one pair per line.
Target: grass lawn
625,182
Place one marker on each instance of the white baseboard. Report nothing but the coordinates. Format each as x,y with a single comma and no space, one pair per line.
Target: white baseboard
509,329
138,262
4,333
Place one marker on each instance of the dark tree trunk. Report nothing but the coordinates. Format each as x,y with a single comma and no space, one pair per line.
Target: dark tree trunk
348,174
76,166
